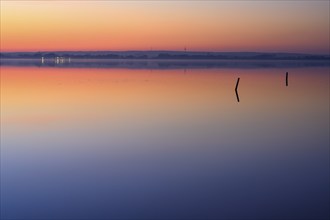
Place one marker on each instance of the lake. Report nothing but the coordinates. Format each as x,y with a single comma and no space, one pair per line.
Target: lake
165,140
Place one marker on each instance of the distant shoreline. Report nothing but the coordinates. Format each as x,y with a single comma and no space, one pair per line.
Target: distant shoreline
159,63
162,55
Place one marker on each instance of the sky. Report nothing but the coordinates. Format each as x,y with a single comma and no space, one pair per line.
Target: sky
261,26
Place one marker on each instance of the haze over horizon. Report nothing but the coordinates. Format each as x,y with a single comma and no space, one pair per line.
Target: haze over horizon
166,51
215,26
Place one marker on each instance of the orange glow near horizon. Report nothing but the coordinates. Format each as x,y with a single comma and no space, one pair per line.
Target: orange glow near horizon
211,26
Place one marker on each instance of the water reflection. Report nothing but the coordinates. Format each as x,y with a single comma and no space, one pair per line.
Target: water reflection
111,143
67,62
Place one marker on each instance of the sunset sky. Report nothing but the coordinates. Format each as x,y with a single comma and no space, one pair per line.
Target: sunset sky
270,26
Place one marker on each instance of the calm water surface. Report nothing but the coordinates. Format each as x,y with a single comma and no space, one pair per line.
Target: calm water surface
143,143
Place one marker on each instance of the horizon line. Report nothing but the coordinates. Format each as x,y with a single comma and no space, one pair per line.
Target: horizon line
164,50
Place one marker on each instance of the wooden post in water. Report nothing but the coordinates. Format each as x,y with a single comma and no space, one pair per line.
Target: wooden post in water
237,96
286,79
237,84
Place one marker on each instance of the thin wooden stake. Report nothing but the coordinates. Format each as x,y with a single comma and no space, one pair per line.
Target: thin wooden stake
236,87
287,79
